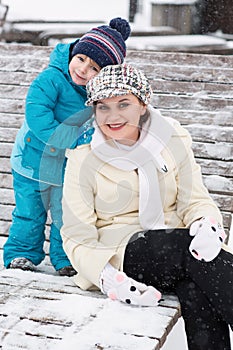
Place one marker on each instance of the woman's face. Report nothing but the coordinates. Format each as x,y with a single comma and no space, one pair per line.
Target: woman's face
118,118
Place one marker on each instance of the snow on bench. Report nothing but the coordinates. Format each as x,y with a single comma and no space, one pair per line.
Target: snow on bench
48,312
155,37
45,32
45,311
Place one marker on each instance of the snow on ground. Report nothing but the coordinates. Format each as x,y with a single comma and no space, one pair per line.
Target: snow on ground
169,41
174,2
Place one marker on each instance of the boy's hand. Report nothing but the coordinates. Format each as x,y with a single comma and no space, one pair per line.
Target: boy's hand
208,238
85,133
86,137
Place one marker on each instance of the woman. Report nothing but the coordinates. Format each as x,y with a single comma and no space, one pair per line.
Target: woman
138,220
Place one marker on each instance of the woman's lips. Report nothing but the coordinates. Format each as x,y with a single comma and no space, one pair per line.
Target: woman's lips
116,127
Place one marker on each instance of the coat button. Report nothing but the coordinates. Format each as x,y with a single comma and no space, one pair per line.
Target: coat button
52,149
28,139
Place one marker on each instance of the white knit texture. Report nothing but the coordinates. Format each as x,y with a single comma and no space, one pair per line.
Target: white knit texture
106,281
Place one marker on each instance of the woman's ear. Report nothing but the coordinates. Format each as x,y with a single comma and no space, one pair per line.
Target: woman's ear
143,109
145,114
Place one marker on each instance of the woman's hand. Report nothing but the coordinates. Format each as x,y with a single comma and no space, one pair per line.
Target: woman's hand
118,286
208,238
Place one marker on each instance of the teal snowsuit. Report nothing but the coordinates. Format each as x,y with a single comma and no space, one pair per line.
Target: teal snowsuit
54,114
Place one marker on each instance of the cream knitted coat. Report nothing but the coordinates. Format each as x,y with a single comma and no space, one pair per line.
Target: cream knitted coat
101,203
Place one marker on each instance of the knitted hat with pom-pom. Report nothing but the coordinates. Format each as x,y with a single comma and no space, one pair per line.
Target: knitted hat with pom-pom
105,44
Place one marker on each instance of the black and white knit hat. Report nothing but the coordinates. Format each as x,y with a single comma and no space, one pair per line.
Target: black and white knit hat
118,80
105,44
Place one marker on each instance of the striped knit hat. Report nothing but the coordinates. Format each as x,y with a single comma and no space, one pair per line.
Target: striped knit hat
118,80
105,44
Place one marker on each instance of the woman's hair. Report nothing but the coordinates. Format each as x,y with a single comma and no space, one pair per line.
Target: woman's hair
144,118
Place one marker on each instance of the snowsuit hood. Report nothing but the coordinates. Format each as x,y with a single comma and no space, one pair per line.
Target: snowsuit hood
60,58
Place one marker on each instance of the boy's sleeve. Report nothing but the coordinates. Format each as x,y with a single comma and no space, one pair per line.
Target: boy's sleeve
40,103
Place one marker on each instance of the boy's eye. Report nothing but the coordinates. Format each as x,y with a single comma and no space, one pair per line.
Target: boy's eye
80,58
95,69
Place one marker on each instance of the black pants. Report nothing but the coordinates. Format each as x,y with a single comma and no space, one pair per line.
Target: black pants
205,289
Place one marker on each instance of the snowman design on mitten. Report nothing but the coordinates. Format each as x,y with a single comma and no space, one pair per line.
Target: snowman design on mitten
208,238
132,292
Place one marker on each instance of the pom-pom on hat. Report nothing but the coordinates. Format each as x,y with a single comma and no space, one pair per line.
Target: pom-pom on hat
118,80
105,44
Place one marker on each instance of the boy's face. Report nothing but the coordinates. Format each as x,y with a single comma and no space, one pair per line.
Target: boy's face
82,68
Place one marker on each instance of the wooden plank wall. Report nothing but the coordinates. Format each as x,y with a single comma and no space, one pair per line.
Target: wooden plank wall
195,89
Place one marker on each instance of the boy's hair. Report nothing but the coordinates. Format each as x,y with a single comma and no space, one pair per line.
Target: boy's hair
105,44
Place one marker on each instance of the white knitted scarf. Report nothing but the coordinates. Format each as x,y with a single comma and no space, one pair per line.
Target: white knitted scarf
145,156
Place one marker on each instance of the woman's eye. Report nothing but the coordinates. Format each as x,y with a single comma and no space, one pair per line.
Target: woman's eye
124,105
102,107
80,58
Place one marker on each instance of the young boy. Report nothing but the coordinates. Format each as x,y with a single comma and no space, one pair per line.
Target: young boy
55,113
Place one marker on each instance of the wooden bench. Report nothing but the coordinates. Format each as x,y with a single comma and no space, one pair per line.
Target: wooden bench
45,32
154,38
195,89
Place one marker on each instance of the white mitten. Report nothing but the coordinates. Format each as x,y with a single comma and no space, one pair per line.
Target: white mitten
208,238
118,286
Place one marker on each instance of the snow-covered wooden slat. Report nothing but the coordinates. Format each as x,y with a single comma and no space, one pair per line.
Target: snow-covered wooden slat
25,50
224,202
12,105
199,61
141,57
11,120
8,135
219,150
16,78
5,165
8,91
211,133
215,167
161,101
166,101
221,118
53,313
23,64
6,180
208,133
